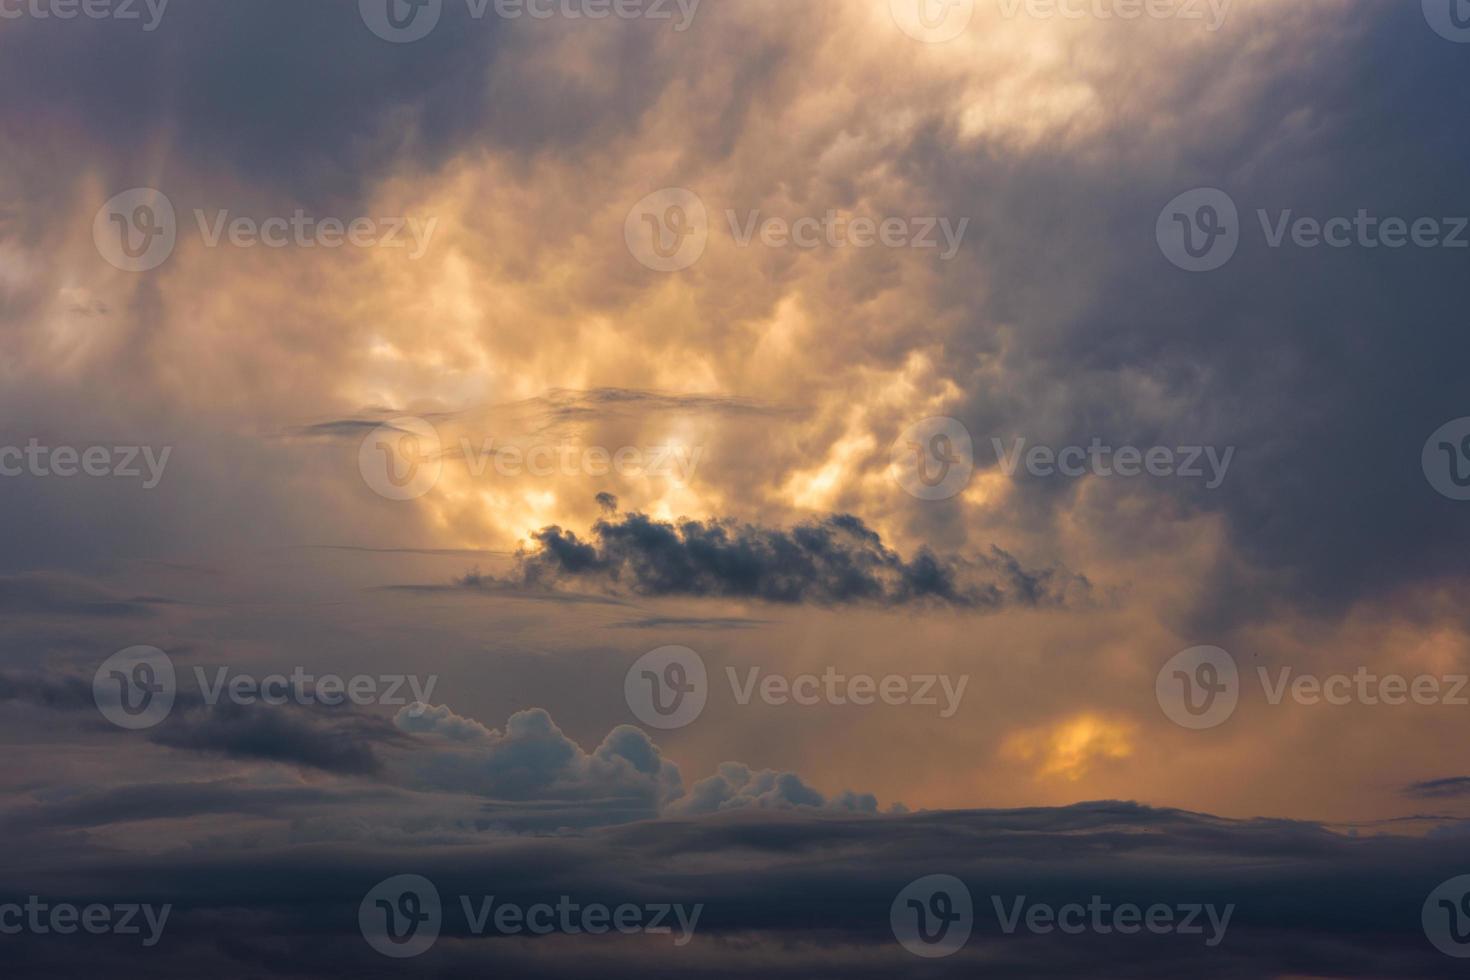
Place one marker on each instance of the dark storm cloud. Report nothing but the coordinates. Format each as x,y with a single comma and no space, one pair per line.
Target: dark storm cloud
297,97
1328,368
1439,788
811,900
333,739
154,801
832,561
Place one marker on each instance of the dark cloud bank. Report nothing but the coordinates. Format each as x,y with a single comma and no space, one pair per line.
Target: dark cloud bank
831,561
810,898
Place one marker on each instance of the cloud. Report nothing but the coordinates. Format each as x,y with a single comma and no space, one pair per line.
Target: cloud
832,561
1434,789
790,893
626,776
737,787
334,739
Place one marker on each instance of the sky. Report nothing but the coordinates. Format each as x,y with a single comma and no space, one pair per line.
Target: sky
845,466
